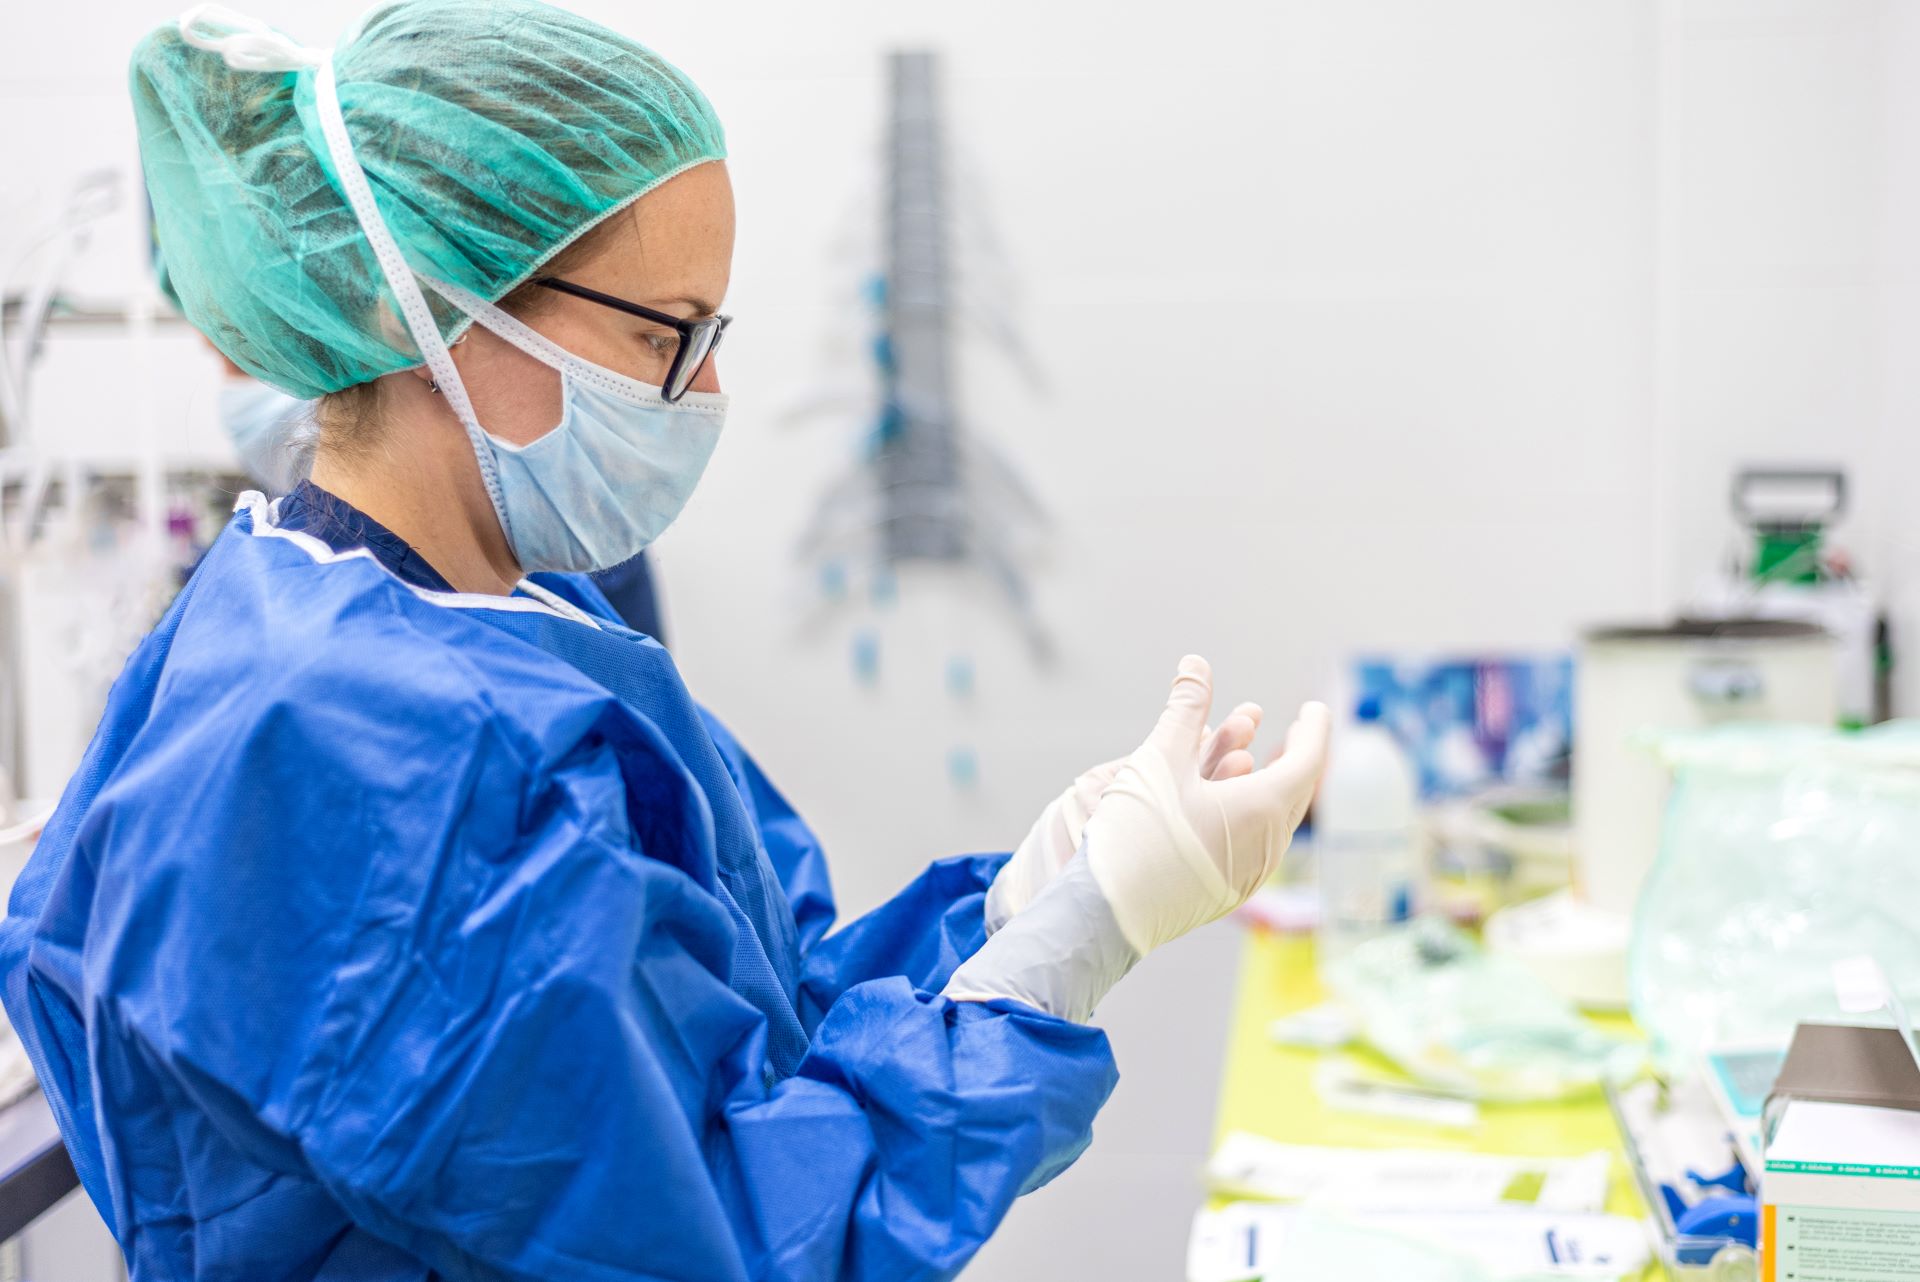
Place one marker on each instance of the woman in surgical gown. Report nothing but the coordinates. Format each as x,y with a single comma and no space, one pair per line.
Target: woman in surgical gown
407,918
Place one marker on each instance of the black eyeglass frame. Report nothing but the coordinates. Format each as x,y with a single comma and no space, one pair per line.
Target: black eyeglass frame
689,331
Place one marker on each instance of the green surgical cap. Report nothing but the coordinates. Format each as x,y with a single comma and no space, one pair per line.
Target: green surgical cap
493,133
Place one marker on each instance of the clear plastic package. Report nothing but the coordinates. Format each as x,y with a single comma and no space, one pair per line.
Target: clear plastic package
1784,850
1475,1023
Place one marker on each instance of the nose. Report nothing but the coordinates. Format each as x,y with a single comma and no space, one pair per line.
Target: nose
708,379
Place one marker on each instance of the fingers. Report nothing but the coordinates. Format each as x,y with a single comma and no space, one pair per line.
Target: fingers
1235,765
1085,793
1234,735
1304,754
1181,724
1289,777
1095,780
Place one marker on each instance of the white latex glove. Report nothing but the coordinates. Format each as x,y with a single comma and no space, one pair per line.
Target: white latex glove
1055,835
1165,850
1171,849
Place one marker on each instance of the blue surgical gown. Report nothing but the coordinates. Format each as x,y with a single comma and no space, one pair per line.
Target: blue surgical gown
388,933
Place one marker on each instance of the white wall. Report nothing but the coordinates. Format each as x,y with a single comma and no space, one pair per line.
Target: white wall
1773,265
1367,323
1898,238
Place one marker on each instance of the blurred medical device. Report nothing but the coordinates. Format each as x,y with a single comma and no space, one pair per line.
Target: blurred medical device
1633,680
1786,569
1786,633
930,512
926,488
105,499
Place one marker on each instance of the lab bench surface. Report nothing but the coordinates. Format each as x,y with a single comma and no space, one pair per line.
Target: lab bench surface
1269,1090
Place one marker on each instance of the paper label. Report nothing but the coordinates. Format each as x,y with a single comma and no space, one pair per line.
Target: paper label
1823,1244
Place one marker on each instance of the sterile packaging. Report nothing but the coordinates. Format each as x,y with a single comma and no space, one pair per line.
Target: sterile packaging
1477,1024
1346,1086
1701,1214
1244,1241
1785,849
1840,1196
1405,1179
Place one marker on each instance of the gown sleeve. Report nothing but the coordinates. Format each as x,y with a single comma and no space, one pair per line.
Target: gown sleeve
922,934
491,1019
793,850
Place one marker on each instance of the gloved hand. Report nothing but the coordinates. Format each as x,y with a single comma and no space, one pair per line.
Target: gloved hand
1166,850
1172,849
1055,836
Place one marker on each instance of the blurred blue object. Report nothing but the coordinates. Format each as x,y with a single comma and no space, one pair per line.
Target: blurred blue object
833,580
1469,724
1704,1229
1732,1180
866,656
963,767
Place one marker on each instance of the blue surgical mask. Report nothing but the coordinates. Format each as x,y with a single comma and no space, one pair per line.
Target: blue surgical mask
615,472
270,431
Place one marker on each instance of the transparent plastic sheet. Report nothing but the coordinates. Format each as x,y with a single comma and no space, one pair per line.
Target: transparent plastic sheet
1474,1023
1784,850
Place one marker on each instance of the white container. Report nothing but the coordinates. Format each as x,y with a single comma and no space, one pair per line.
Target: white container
1629,681
1686,676
1367,839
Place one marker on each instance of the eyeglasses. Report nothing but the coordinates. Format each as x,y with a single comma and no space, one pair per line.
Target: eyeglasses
699,339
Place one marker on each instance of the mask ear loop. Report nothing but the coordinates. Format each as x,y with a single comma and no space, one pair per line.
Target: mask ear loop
515,331
400,279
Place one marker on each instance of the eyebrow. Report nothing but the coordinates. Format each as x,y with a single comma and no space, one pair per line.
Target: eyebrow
701,306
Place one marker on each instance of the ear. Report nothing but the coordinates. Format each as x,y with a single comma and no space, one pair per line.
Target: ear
454,350
461,353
